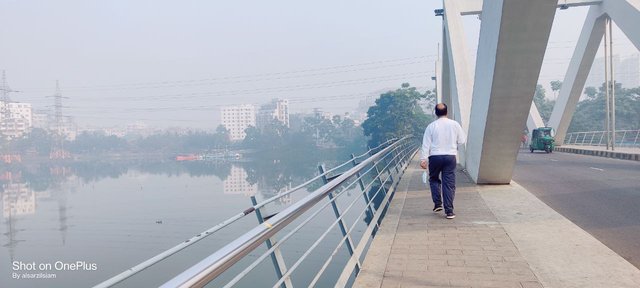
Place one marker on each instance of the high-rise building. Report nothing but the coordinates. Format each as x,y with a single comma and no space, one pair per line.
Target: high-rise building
41,119
17,120
626,71
276,109
238,118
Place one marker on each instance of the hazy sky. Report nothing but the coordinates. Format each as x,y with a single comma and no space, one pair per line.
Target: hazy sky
174,63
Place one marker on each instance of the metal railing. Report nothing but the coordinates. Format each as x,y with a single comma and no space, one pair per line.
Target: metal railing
623,138
374,173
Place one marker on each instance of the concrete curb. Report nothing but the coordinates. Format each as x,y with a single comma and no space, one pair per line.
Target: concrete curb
600,153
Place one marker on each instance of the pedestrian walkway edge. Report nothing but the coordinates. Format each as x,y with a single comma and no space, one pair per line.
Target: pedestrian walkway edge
378,254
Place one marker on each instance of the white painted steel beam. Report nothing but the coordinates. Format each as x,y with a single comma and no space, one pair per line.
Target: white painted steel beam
438,73
626,14
579,67
474,7
445,83
513,39
461,81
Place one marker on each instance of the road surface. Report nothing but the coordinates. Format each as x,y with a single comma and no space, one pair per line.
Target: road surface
600,195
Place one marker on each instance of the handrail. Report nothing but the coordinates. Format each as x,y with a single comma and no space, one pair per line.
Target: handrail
177,248
622,138
215,264
297,228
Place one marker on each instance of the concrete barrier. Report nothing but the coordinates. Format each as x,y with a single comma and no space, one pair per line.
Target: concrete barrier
600,153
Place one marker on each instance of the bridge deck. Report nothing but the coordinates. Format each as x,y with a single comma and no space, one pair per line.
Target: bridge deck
502,237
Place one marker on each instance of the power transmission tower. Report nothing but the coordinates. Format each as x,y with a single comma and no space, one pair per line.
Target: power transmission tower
7,125
57,151
5,113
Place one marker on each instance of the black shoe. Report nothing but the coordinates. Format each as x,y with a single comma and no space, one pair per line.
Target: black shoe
437,208
450,215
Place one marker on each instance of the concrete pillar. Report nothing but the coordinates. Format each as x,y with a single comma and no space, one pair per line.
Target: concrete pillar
513,40
579,67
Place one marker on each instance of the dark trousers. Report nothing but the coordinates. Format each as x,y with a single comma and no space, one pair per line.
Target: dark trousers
445,164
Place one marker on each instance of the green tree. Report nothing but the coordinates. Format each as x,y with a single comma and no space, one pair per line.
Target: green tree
221,137
590,113
395,114
97,142
556,85
38,140
545,107
272,136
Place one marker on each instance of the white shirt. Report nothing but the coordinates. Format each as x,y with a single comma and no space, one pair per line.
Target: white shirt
442,137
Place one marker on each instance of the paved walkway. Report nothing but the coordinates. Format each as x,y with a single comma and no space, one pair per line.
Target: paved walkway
502,237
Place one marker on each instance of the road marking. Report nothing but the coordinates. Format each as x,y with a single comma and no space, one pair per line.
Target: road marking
554,160
594,168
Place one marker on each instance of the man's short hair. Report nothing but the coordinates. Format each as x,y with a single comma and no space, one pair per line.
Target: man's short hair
441,109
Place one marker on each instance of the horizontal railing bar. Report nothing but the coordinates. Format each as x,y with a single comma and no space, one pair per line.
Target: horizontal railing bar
256,262
369,230
317,242
167,253
218,262
148,263
280,195
341,241
333,177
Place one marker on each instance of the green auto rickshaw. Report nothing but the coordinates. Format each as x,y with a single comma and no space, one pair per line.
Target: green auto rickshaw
542,139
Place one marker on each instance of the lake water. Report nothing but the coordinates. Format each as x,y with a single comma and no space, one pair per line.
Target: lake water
84,223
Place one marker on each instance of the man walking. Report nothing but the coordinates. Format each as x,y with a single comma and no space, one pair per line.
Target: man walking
439,149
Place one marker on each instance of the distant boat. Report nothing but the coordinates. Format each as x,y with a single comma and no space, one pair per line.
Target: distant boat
190,157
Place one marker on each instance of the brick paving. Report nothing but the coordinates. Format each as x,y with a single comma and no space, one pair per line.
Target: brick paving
418,248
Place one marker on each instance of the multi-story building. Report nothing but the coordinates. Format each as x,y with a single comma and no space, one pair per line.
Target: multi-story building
276,109
15,119
626,71
238,118
41,119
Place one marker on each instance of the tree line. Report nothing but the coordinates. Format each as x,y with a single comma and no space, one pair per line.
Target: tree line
395,113
590,112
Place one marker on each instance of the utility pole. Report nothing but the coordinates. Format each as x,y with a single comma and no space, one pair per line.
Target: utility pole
610,85
613,88
606,82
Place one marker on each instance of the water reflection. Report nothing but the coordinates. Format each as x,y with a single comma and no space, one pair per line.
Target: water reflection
94,210
236,183
18,199
25,186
